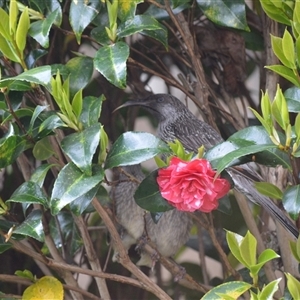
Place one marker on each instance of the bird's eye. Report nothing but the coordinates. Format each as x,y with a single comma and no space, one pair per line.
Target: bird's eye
160,99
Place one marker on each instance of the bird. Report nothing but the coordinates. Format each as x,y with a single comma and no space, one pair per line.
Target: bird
168,235
176,121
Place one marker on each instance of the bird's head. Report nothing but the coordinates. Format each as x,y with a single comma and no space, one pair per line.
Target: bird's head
162,106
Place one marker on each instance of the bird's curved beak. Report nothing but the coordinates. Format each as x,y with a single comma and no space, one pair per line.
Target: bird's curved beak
132,103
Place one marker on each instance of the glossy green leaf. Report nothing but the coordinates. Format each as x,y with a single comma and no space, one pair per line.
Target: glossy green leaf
291,201
13,16
81,147
11,148
39,75
248,249
71,184
100,35
292,96
160,13
32,226
22,30
8,50
133,148
225,12
4,25
234,240
82,14
227,160
81,70
91,109
258,135
264,257
42,150
29,192
126,9
110,61
40,173
36,32
77,103
286,73
36,113
274,12
51,123
79,205
277,47
68,232
293,286
34,56
148,195
138,24
233,289
288,48
270,289
268,189
160,35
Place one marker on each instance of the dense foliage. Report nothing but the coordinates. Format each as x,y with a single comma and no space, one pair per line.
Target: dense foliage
67,65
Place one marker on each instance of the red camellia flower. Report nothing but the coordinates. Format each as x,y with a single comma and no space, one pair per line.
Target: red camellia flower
191,185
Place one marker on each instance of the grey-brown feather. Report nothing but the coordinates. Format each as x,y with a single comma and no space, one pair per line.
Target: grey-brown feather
168,235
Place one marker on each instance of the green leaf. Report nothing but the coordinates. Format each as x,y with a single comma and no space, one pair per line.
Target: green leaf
25,274
288,48
11,148
39,75
91,109
225,12
79,205
285,72
77,103
110,61
67,232
292,96
13,15
40,173
29,192
32,226
270,289
148,196
268,189
82,14
293,286
126,9
81,147
231,157
234,240
232,289
22,30
42,150
277,46
258,135
160,35
51,123
275,13
133,148
291,201
248,249
8,50
37,111
36,32
138,24
81,70
71,184
4,25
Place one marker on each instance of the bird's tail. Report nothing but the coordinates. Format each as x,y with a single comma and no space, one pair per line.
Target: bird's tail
244,178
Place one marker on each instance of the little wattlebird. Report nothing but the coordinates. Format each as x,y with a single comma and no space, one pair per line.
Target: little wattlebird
177,122
168,235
